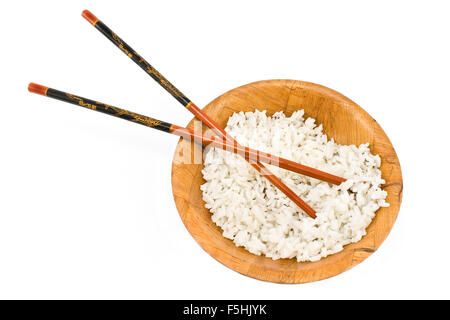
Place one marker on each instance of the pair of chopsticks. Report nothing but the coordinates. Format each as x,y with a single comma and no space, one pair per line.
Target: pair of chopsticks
224,140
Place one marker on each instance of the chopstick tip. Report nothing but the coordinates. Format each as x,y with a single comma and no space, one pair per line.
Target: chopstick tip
89,17
37,88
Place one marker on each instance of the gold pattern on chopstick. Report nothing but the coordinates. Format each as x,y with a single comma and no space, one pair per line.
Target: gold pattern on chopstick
117,112
149,122
121,47
81,102
164,82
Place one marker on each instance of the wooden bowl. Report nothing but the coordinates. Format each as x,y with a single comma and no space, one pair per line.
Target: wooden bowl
343,120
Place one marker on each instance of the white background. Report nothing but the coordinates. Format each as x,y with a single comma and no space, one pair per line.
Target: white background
86,209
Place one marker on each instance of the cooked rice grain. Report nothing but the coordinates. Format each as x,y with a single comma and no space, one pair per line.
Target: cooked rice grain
257,216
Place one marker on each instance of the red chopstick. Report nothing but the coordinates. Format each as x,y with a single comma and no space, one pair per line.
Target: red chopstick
248,153
150,70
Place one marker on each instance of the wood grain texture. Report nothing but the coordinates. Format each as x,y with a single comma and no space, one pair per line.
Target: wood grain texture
343,120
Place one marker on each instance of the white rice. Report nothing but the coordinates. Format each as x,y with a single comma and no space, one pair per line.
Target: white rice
257,216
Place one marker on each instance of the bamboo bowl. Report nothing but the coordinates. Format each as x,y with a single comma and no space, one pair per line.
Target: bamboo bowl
343,120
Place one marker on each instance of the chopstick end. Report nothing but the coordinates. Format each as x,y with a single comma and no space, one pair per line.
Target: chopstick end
89,17
37,88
